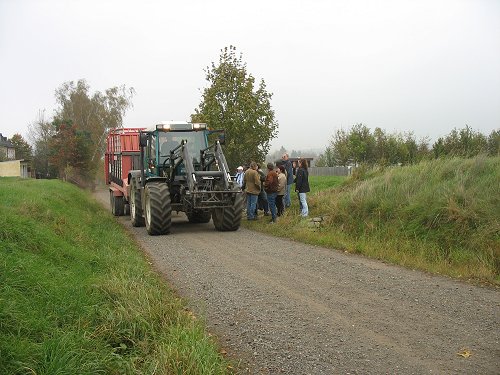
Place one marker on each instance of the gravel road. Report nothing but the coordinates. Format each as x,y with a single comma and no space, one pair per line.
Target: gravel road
279,306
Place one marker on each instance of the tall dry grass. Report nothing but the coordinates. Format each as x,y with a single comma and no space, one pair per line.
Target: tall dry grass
442,216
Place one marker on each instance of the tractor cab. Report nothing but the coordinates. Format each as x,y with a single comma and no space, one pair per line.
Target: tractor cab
163,144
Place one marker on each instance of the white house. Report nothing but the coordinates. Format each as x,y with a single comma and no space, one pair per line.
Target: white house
11,167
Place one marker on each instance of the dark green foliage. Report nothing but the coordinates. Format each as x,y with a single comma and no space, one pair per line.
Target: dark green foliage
23,149
494,143
359,145
461,143
232,102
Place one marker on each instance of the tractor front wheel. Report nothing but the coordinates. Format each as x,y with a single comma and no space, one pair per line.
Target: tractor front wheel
228,218
158,210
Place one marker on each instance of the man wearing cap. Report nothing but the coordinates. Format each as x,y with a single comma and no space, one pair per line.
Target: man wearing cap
239,176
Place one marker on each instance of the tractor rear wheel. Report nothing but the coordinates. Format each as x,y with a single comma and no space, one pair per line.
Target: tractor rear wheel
199,216
135,205
228,218
158,210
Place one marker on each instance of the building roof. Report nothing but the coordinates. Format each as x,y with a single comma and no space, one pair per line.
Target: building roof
5,142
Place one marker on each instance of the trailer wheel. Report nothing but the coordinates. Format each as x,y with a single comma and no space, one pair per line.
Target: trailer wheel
228,218
199,216
135,205
158,210
117,204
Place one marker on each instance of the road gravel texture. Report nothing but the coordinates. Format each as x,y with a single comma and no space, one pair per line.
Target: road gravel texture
279,306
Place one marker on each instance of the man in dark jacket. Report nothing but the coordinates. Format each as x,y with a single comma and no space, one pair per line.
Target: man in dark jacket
302,187
287,164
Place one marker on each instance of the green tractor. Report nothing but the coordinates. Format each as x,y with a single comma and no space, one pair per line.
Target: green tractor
181,172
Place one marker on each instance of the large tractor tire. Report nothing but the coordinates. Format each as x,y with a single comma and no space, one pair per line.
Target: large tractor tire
157,208
228,218
135,205
117,204
199,216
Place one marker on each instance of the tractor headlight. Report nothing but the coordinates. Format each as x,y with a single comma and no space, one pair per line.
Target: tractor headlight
199,126
164,127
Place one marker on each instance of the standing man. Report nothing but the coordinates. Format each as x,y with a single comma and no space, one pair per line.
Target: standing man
287,164
252,188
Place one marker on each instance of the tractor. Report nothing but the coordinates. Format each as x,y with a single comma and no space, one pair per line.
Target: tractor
180,171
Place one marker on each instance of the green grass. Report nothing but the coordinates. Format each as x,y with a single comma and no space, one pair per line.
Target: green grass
441,216
77,296
321,183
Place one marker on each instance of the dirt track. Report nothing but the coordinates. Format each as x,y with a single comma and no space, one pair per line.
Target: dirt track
279,306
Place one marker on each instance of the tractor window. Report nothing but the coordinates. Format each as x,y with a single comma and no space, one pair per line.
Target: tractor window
170,140
167,143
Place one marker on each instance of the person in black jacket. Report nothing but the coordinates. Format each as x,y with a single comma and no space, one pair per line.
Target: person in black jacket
302,187
289,178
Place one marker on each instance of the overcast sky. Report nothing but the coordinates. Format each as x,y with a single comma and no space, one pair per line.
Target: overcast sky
426,66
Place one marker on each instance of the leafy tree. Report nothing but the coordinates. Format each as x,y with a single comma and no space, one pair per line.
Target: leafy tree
361,144
438,148
40,134
393,149
22,147
494,143
339,146
463,142
326,159
92,114
381,146
71,153
232,102
423,151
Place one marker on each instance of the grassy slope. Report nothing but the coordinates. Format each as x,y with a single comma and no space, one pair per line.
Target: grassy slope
441,216
78,297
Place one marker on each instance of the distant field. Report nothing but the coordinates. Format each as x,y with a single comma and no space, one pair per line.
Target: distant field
78,297
441,216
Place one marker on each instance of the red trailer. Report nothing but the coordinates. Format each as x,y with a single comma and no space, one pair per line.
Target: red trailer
122,155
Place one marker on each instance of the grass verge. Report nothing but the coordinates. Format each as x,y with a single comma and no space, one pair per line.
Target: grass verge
440,216
78,297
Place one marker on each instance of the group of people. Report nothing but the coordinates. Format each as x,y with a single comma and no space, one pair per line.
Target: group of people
271,191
